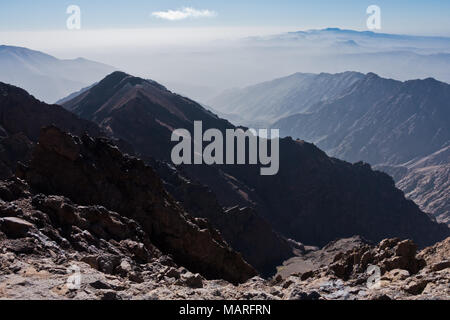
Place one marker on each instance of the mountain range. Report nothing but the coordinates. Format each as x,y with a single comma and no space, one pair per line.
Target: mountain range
244,62
23,117
399,127
144,113
336,50
45,76
95,182
236,62
363,39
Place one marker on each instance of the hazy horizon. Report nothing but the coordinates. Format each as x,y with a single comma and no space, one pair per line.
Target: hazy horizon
200,48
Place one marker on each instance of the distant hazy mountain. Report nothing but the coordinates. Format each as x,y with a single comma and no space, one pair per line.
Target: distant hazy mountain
378,120
46,77
313,198
253,60
282,97
362,39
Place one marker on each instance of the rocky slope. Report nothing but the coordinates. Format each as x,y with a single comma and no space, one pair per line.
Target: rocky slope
92,171
22,116
426,181
429,187
403,274
117,242
21,119
313,199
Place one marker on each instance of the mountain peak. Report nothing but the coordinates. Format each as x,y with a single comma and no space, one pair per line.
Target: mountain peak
111,93
116,78
116,81
372,75
119,79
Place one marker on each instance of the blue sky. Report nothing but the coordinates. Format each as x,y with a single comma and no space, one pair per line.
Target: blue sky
398,16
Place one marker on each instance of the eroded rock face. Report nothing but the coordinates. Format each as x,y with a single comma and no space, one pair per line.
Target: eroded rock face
92,171
241,227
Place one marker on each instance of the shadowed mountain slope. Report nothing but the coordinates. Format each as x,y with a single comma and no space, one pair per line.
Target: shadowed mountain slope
92,171
21,118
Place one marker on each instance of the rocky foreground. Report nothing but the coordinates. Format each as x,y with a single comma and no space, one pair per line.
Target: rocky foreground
83,221
51,248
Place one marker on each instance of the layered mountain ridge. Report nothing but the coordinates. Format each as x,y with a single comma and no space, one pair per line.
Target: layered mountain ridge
358,200
23,116
378,121
395,126
272,100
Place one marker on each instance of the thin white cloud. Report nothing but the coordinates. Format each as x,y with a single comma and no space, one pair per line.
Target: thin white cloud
184,13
